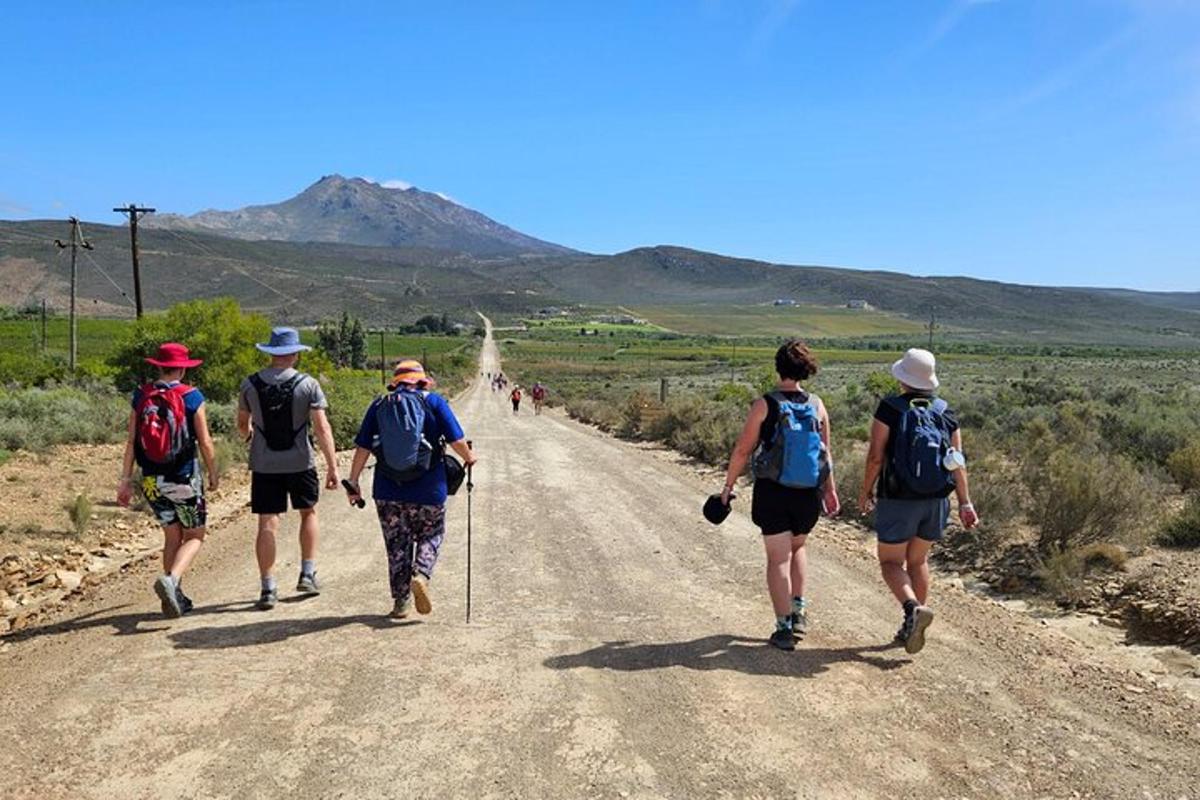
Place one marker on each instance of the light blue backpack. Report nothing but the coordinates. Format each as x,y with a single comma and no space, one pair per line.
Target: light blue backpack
794,455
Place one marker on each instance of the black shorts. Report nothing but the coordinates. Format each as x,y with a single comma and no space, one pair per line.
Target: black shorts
269,492
782,509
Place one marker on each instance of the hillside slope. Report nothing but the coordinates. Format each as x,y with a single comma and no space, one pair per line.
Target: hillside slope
306,281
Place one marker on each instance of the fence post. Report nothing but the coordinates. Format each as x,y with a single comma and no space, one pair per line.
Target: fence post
662,390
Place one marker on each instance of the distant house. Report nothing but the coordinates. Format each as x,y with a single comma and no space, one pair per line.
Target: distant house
784,301
549,311
620,319
859,305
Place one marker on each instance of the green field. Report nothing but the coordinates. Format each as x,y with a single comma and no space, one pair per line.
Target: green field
769,320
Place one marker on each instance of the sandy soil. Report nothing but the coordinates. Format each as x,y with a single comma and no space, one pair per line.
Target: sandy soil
616,650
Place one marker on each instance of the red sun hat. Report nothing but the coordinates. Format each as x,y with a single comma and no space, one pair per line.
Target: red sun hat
172,355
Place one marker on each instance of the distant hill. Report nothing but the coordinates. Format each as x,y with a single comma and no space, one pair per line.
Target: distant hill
306,281
357,211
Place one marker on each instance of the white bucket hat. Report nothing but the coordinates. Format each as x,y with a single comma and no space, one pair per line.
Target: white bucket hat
916,370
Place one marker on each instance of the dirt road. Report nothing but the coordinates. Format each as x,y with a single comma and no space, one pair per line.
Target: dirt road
616,651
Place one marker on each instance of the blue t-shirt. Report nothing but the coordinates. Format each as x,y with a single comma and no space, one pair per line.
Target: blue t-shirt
191,404
440,426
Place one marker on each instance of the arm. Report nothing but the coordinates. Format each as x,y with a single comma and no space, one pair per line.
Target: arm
205,443
243,424
125,486
962,488
361,454
744,448
829,493
464,452
324,433
875,455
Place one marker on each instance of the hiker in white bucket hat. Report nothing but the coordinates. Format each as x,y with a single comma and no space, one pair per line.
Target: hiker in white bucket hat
914,464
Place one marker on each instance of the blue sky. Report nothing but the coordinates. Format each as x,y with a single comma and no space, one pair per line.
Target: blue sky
1039,141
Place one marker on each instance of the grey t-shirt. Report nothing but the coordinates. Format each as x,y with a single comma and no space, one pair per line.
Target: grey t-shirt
307,396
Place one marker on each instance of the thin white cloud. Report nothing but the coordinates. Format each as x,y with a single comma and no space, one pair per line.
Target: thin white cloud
1073,71
396,183
953,15
8,206
777,16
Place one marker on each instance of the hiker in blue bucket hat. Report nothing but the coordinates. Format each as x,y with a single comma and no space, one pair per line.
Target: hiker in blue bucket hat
276,408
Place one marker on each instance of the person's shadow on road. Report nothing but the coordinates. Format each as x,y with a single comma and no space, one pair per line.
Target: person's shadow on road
725,652
123,624
274,630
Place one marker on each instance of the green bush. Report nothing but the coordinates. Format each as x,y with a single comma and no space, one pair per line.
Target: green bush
1081,497
22,369
1184,465
349,393
214,330
737,394
36,419
79,512
1183,530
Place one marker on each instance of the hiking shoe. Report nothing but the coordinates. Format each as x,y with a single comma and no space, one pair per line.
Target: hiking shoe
401,609
267,600
308,583
799,624
902,634
185,603
922,618
783,639
164,587
420,593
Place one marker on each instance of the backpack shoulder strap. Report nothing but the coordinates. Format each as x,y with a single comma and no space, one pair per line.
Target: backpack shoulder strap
258,383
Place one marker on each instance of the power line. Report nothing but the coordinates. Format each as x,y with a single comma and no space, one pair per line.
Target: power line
108,277
231,262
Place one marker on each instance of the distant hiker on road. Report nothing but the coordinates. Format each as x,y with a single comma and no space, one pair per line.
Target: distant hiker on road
276,406
538,393
913,465
408,431
787,432
167,425
515,397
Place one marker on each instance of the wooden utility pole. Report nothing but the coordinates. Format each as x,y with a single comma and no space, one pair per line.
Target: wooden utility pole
135,213
77,241
931,328
382,360
43,325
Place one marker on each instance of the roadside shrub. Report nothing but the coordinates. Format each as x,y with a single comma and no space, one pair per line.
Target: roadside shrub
710,436
632,412
1062,573
349,393
36,419
1184,466
736,394
228,452
79,511
595,412
5,455
1078,498
850,464
996,487
1183,530
214,330
23,369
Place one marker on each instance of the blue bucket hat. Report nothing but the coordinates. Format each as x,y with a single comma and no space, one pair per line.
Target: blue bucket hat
284,342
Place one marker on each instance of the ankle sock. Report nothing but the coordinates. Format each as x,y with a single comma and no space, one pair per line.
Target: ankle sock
783,623
799,604
308,566
268,583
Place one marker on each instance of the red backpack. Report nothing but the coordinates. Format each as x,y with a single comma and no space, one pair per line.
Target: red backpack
164,438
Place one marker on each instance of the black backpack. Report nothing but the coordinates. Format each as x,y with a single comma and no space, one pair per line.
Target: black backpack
275,402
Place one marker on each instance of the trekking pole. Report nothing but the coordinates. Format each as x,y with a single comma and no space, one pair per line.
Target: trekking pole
470,486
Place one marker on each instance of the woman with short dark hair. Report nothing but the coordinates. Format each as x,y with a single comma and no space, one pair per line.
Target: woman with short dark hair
787,434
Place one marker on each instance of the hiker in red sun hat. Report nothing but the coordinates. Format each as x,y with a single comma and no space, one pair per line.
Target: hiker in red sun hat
168,427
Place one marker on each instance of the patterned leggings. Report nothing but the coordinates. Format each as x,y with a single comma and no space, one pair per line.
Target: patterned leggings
403,524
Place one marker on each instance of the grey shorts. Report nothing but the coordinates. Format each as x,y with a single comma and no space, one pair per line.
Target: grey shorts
897,521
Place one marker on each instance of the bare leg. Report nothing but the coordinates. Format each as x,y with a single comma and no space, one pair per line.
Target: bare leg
917,567
779,563
799,565
308,534
172,537
264,547
192,539
891,563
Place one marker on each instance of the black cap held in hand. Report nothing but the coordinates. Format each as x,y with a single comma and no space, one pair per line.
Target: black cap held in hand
714,510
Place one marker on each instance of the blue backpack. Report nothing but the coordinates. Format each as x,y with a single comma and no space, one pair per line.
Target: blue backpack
794,455
402,453
919,446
